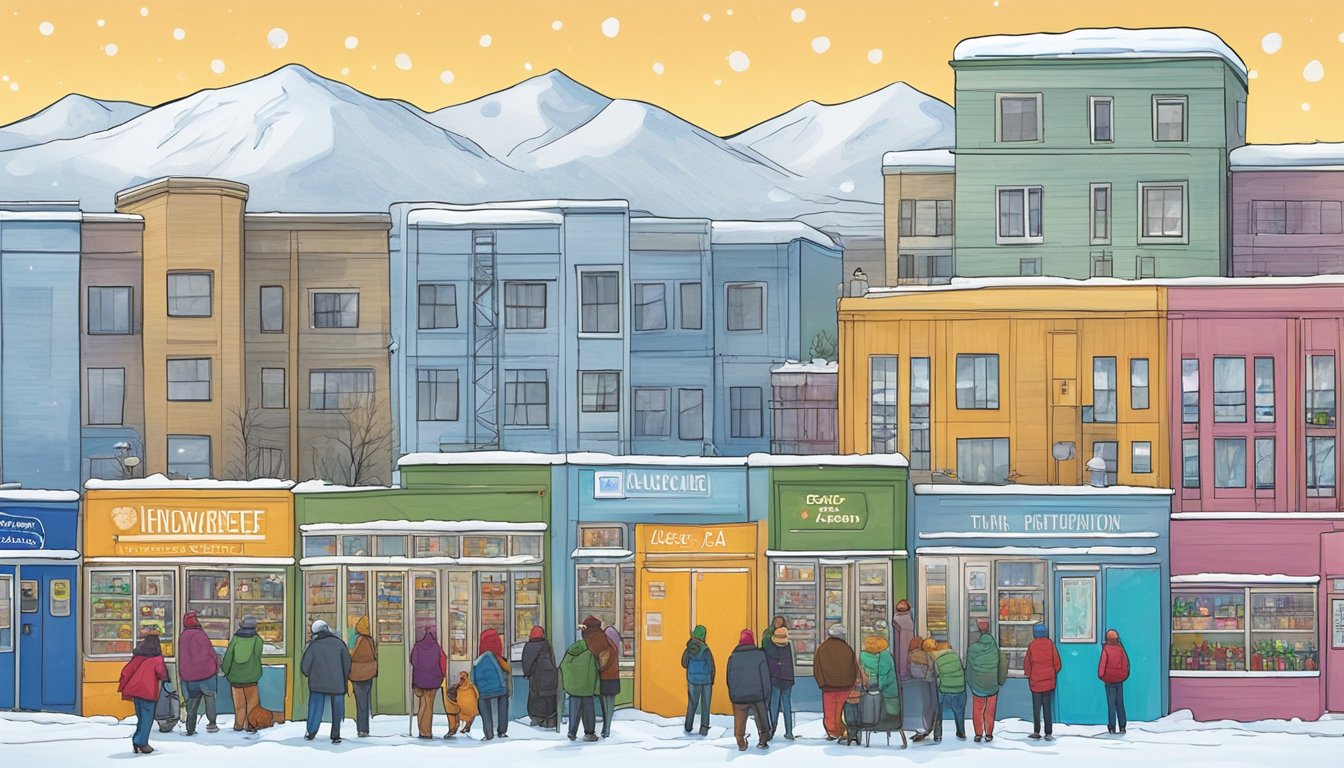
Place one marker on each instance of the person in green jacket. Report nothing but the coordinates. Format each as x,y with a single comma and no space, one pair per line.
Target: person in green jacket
242,668
951,678
579,676
986,670
880,669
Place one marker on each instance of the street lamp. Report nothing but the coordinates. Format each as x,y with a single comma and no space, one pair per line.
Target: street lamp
127,462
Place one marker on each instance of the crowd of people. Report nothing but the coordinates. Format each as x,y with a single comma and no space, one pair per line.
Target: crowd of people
903,685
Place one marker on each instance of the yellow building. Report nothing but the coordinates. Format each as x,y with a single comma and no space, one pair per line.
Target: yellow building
1022,379
918,195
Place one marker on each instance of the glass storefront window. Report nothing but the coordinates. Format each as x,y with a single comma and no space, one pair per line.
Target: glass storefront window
355,546
526,603
601,536
1283,631
319,596
484,546
1208,630
436,546
935,600
459,616
6,613
356,601
223,598
1020,593
597,591
795,598
527,546
208,594
628,615
319,546
111,612
389,606
390,546
874,613
833,596
426,603
494,594
1248,629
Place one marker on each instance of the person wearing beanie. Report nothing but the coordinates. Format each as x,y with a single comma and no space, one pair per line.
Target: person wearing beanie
326,664
139,684
363,669
241,666
493,677
543,680
879,667
608,669
779,657
902,632
835,667
578,675
748,689
1113,670
951,681
698,661
197,665
427,673
1041,667
986,671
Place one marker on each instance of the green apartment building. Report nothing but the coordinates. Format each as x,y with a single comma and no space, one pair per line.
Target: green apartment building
1096,153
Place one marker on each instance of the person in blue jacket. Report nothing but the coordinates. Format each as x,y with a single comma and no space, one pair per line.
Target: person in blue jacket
698,661
494,684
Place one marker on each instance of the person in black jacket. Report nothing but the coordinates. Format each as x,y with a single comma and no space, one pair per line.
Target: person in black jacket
542,679
326,664
779,657
749,689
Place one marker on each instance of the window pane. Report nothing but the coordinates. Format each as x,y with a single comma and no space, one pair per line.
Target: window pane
977,381
1011,210
337,310
189,379
926,218
1170,119
389,546
189,456
1163,211
600,392
982,460
1141,457
650,307
1321,389
746,307
436,395
272,309
1017,118
336,390
1190,391
1138,383
109,310
920,446
601,536
437,306
189,294
883,390
944,218
526,398
1101,213
524,305
745,411
1109,452
1190,463
1264,462
600,302
107,395
690,306
1034,202
1101,120
273,394
1209,631
651,413
1264,389
1229,389
1229,462
1320,466
1104,387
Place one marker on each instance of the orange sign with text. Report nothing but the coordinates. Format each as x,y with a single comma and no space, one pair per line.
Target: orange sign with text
698,539
155,523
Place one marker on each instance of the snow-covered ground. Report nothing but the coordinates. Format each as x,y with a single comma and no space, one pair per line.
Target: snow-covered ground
643,740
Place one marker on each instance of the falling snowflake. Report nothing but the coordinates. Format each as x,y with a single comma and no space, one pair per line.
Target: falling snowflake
611,27
486,40
144,11
718,82
1254,73
217,66
1314,71
100,21
738,61
798,15
875,56
658,68
821,44
1306,107
351,43
13,86
403,61
110,49
179,34
345,71
557,25
1272,42
46,28
446,77
527,65
277,38
705,17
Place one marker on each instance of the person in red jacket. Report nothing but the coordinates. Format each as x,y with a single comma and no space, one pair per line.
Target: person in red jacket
1041,667
1114,671
139,683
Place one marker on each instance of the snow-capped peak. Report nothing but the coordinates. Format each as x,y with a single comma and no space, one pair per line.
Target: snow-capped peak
531,114
70,117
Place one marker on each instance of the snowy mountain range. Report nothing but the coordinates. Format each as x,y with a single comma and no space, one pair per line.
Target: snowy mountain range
306,143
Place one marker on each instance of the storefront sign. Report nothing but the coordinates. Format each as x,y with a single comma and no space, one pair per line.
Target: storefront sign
1081,523
691,539
59,605
208,525
21,532
824,510
28,597
1337,623
653,626
640,483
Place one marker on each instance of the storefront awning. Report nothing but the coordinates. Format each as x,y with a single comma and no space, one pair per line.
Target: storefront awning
38,554
423,526
1243,578
1040,551
1033,536
175,561
848,553
601,553
423,562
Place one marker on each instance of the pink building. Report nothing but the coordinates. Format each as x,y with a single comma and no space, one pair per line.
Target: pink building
1257,535
1287,209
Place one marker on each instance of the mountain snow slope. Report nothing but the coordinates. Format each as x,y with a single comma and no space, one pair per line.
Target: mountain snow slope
71,117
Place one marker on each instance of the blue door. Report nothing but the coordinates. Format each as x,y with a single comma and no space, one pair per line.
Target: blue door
47,638
1133,608
8,614
1079,697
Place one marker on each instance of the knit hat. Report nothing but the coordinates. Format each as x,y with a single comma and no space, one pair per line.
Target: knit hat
250,622
916,643
699,632
780,636
746,638
930,645
1112,636
536,633
1038,631
837,630
592,622
875,644
982,625
190,620
903,606
319,626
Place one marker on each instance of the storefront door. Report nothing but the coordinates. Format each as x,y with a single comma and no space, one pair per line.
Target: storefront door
1130,594
1079,697
47,635
1331,654
391,689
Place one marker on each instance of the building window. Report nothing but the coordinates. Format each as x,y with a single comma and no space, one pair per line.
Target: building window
599,391
926,218
271,462
336,309
651,413
1229,462
1101,110
1264,463
437,307
745,411
1190,462
1019,214
526,398
982,460
1168,118
1141,457
1163,210
691,414
1297,217
746,306
436,393
189,379
1321,390
977,382
1101,214
1029,267
106,468
188,456
884,382
272,309
334,390
1320,466
1138,383
274,394
1190,391
1260,631
650,307
109,310
1105,402
189,294
1103,265
920,402
524,306
1229,389
1145,266
599,302
1109,452
1264,390
1019,117
107,395
691,299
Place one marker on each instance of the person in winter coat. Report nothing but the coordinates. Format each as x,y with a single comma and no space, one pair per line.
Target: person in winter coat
242,668
902,632
917,659
326,664
768,633
1041,667
608,669
461,702
139,684
543,679
879,667
1114,671
426,679
363,669
578,674
836,670
951,677
779,658
698,661
921,669
986,670
748,689
197,665
494,681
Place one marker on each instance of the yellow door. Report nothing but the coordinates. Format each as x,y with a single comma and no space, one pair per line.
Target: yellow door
664,627
723,606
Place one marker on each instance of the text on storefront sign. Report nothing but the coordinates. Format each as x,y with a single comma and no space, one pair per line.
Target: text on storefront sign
667,539
1063,522
825,511
633,483
201,522
21,532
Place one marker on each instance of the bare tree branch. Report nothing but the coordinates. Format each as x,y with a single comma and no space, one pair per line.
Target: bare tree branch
353,453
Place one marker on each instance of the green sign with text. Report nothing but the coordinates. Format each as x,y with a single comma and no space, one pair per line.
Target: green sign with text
824,510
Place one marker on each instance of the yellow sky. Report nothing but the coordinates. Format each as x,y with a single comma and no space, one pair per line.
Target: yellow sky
685,55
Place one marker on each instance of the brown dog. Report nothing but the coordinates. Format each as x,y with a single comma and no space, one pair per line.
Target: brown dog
461,703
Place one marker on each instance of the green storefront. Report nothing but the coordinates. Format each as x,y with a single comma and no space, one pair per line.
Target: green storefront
459,548
836,552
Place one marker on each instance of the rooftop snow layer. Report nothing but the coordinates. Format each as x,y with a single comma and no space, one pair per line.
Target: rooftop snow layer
1319,155
814,366
976,283
1108,43
1013,489
766,232
606,459
322,486
164,483
917,159
483,217
19,494
829,460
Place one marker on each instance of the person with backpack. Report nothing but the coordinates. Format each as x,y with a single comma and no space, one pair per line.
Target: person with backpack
922,688
835,667
951,678
542,678
986,670
879,667
579,676
139,684
748,689
1113,670
608,669
698,661
779,657
363,669
326,664
242,668
1041,667
426,679
494,681
197,665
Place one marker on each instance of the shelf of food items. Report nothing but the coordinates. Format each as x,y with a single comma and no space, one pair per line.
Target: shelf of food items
1265,656
1204,613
